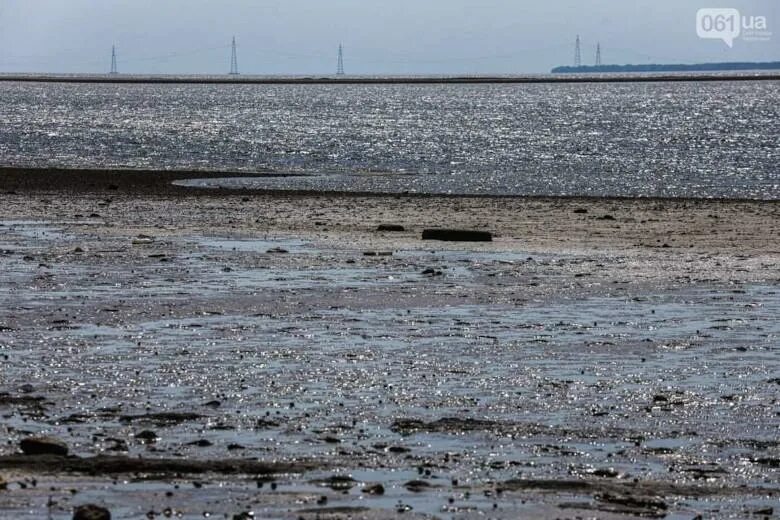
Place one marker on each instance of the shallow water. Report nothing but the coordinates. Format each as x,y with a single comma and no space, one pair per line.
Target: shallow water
652,139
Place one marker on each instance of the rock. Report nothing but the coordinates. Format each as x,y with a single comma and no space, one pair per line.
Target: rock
580,211
768,461
337,482
377,253
376,489
143,240
266,424
43,446
642,504
398,449
417,486
457,235
162,419
147,436
605,473
118,445
277,250
446,425
432,272
390,227
607,217
91,512
202,443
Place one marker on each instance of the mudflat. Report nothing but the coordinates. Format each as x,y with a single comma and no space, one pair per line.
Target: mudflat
208,352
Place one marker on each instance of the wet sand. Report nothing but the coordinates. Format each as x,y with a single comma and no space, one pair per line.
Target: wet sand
210,352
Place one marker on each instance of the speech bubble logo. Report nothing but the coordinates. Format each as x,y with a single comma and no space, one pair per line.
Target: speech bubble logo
719,24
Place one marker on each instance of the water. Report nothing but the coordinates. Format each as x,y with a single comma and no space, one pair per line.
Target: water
646,139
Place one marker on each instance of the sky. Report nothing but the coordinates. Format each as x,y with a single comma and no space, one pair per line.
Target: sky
379,37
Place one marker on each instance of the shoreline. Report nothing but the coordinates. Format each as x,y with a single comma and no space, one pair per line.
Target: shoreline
359,80
132,181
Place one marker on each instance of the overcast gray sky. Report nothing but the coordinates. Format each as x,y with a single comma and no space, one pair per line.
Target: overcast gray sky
380,37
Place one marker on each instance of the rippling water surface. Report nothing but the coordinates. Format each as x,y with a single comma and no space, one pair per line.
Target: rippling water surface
664,139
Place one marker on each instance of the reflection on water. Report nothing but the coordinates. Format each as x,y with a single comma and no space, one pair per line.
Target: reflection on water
678,139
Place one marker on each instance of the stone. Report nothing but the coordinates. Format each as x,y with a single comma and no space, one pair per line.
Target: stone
141,240
43,446
147,436
376,489
91,512
390,227
417,486
457,235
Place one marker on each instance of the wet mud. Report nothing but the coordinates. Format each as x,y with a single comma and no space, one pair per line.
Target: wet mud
281,356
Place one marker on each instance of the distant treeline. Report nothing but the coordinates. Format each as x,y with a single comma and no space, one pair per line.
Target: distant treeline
695,67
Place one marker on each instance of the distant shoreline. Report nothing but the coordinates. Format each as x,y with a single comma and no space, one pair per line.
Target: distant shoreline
656,68
375,80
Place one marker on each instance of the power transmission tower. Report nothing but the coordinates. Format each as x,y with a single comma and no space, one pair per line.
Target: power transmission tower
234,60
113,60
577,53
340,67
598,54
